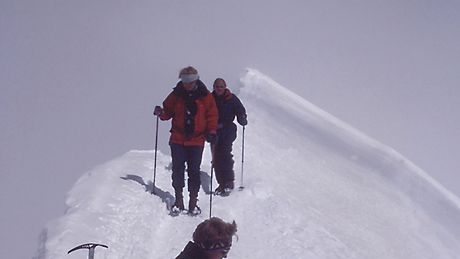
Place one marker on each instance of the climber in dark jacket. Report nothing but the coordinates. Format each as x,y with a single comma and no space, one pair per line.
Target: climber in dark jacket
212,239
228,106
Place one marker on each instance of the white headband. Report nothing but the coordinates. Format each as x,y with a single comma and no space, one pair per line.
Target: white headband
188,78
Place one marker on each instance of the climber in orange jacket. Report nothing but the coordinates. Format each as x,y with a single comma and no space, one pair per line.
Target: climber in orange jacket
194,119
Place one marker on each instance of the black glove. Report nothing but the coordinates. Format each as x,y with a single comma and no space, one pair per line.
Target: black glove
242,120
211,138
158,111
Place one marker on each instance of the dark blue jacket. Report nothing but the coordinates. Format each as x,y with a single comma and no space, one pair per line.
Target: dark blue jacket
229,107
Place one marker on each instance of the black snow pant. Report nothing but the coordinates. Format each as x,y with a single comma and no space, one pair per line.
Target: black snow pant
223,157
191,155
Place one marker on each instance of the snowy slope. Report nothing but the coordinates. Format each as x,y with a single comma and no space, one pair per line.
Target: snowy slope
315,188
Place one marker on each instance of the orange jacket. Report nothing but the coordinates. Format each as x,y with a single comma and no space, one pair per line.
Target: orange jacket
204,121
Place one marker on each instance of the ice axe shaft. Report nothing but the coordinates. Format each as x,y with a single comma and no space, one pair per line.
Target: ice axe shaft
90,246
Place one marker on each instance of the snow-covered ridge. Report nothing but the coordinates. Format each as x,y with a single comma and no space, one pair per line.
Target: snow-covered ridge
315,188
341,138
262,87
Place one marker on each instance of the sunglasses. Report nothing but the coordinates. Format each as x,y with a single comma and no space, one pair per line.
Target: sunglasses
217,246
219,86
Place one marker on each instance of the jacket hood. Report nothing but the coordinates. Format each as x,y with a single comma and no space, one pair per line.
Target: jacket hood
201,89
226,96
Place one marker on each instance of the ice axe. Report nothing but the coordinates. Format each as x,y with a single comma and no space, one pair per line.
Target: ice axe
90,246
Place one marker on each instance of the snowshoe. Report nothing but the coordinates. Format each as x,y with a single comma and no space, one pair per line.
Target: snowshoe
177,208
193,209
219,189
225,192
176,211
194,212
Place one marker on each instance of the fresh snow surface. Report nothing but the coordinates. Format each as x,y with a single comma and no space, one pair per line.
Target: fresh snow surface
315,188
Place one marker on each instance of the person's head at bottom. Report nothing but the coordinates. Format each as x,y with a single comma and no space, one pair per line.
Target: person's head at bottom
212,239
215,236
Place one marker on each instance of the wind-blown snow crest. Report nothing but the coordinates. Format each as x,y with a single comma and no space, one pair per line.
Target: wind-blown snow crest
315,188
303,110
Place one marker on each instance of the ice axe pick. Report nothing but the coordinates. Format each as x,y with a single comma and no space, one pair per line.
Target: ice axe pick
90,246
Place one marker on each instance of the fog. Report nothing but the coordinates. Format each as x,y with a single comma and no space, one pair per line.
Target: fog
79,80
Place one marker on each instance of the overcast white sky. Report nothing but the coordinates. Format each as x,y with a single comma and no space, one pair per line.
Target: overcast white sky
79,80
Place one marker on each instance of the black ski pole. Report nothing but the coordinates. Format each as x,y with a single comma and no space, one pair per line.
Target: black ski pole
212,173
242,161
155,157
